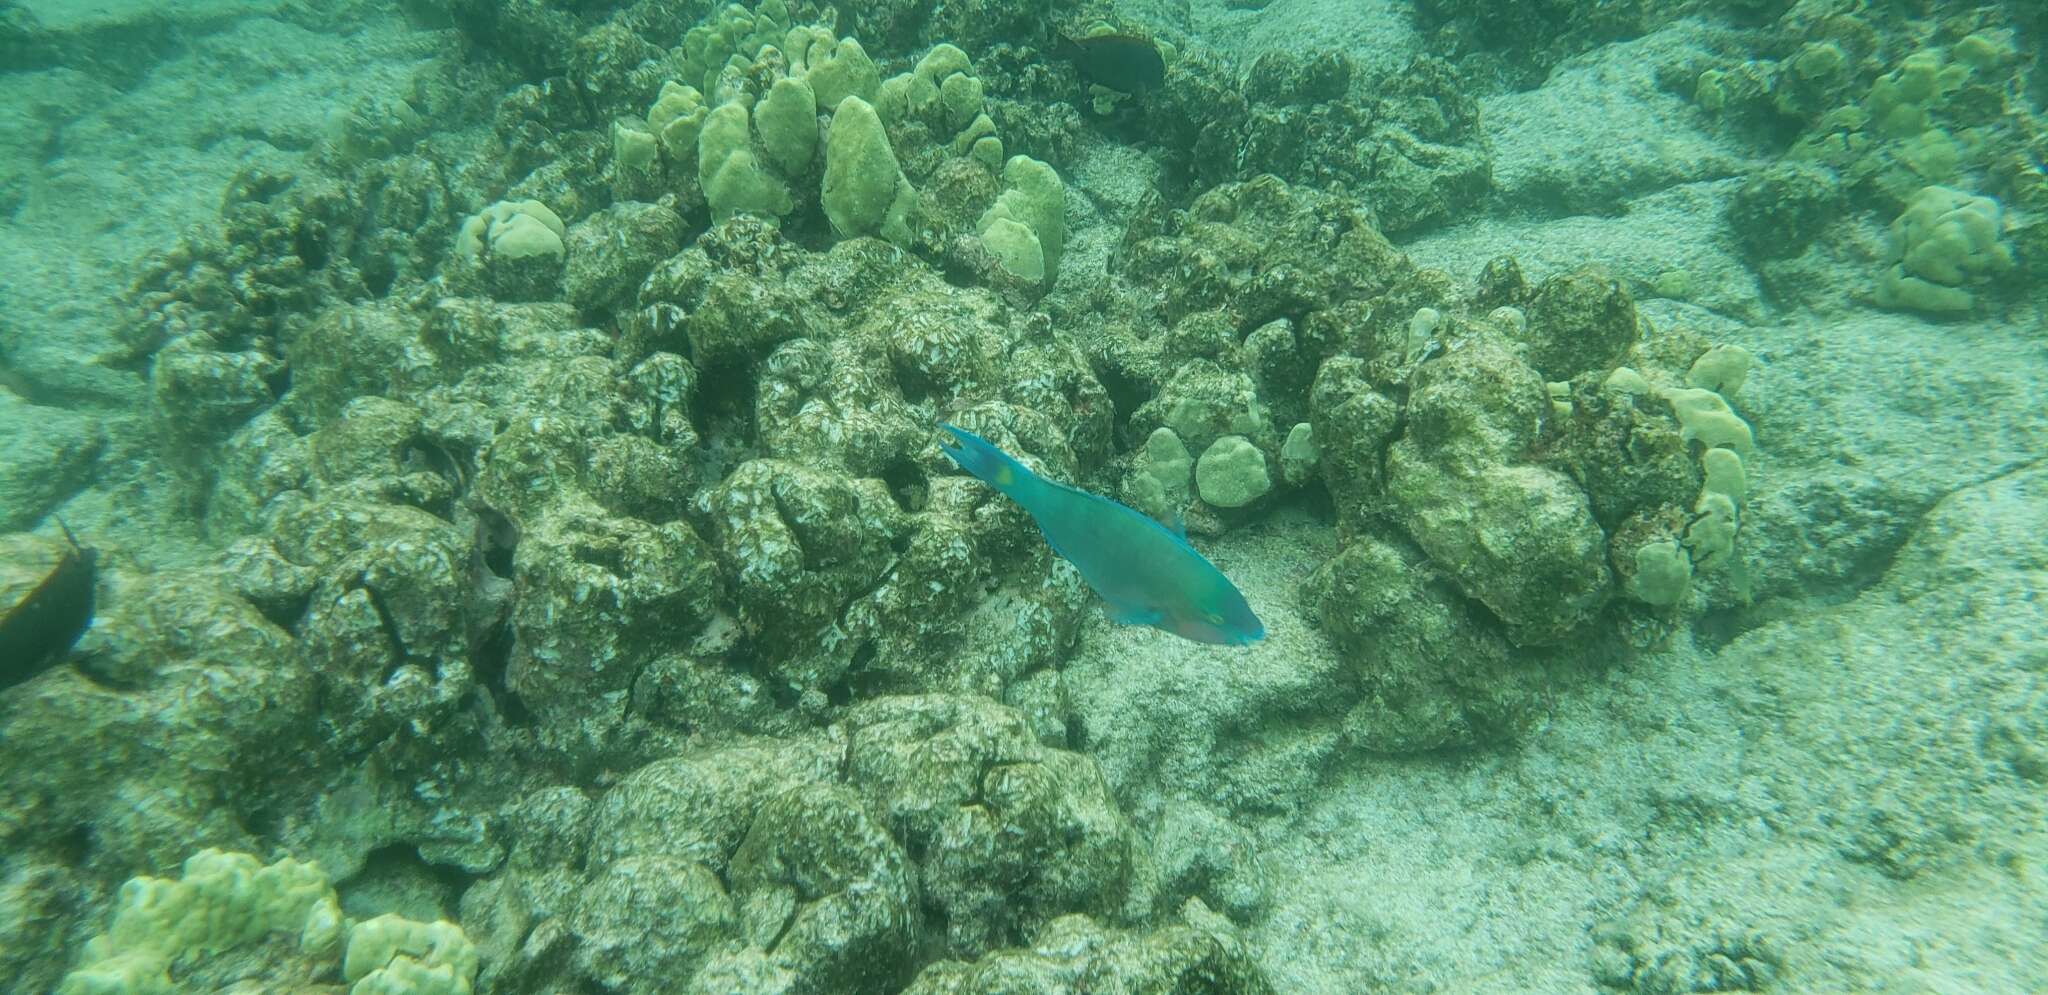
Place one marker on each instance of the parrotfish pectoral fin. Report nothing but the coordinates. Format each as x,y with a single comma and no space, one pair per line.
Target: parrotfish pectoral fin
1132,614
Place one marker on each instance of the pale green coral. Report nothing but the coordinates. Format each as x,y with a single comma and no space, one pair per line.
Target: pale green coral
634,145
1626,381
865,192
732,177
1026,228
1663,573
731,37
220,901
1299,455
512,230
1710,538
836,68
1946,240
1704,416
1158,485
756,134
1016,248
1724,474
676,117
392,955
787,120
1232,473
944,98
227,900
1899,101
1722,369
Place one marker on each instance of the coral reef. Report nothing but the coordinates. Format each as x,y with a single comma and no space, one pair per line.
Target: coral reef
1407,144
527,529
224,902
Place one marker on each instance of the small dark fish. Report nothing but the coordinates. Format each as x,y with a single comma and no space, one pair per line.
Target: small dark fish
1129,63
1145,574
46,602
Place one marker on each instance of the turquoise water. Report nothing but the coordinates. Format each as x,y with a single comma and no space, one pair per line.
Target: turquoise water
500,446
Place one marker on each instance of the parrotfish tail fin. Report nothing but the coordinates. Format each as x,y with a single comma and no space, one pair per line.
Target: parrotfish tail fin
990,465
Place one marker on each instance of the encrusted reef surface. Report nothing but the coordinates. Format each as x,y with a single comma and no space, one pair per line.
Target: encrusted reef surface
525,561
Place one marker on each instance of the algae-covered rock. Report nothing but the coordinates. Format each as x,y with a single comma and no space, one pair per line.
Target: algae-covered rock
1353,424
832,405
46,454
611,251
1010,834
1198,955
821,884
1783,208
289,244
1408,142
194,692
1198,852
730,294
406,566
698,807
353,351
264,459
849,400
1433,673
796,544
1518,537
598,597
1261,248
1479,405
1578,321
799,854
201,394
644,923
1625,450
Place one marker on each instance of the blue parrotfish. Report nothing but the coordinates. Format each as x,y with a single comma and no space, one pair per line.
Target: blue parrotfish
1145,574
